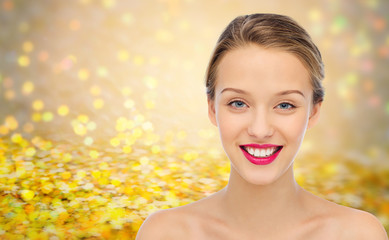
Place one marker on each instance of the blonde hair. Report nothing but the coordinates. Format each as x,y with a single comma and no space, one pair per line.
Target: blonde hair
268,31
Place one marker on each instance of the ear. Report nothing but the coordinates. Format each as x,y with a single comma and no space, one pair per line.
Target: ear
212,111
314,115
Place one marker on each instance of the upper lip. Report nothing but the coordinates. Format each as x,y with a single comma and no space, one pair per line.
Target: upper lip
255,145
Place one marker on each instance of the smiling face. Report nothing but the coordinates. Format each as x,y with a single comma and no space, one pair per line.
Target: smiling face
262,107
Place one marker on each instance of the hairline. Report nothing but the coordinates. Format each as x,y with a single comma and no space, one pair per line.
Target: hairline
243,44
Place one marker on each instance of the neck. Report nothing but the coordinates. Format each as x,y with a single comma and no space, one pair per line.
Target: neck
251,205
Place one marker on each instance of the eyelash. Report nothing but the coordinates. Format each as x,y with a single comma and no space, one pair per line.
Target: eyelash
290,107
237,101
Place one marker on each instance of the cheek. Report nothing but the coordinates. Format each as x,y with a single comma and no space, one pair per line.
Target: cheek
294,127
230,125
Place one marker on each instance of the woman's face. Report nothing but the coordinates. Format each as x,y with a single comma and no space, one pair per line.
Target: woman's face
262,107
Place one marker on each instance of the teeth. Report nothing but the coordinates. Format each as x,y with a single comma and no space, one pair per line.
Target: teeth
257,152
268,151
264,152
250,150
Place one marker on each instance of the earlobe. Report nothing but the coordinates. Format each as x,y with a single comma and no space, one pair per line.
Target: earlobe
314,115
212,111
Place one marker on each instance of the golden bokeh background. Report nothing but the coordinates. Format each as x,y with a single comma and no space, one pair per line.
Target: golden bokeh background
103,116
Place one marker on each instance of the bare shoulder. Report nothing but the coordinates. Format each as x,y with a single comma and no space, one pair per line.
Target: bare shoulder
163,224
183,222
361,225
344,222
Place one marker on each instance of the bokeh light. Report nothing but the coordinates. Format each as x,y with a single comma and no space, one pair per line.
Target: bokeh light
103,116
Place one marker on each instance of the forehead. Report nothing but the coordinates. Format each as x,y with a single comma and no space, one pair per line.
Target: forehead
273,67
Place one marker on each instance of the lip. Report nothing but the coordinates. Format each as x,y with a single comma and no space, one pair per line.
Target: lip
259,160
254,145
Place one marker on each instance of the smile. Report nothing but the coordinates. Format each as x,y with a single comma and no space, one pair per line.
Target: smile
261,154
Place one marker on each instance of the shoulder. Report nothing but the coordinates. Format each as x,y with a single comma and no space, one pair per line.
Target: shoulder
163,224
185,222
344,222
360,225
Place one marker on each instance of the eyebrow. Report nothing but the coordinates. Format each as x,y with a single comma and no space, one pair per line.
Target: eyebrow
290,92
279,94
234,90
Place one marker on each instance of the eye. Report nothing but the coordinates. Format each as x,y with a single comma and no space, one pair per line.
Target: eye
237,104
285,106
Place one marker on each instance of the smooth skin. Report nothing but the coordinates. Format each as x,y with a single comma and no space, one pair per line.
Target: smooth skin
262,96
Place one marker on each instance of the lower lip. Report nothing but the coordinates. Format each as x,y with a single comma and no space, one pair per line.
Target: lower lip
261,161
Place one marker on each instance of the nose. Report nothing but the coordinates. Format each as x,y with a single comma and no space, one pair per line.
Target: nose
260,126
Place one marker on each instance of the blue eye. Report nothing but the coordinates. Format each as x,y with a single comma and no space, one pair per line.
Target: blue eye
286,106
238,104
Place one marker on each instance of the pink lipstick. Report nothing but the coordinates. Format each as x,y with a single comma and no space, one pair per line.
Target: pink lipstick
261,154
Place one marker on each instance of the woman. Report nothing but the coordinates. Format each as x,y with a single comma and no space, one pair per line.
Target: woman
264,91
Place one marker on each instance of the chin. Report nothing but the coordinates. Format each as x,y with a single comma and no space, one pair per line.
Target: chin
262,180
267,175
255,177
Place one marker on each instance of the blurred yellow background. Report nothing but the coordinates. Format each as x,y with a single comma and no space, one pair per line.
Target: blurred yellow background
103,116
